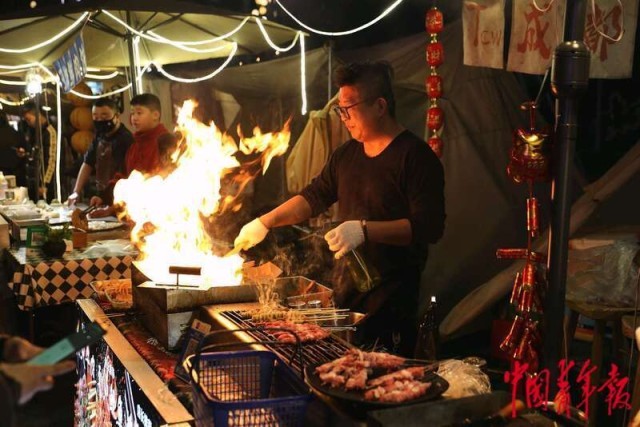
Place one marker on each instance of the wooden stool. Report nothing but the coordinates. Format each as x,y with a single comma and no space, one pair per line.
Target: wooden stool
601,315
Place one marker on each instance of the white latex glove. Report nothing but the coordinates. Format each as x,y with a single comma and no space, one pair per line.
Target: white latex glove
73,198
251,234
345,237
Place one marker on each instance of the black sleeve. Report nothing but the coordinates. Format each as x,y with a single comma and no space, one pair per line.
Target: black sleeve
8,401
322,191
90,155
424,182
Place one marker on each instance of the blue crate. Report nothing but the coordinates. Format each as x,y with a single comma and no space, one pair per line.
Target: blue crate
246,388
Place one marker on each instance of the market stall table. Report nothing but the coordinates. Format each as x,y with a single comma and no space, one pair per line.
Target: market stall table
39,280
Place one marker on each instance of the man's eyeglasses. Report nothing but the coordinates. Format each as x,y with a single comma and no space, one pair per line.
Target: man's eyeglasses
343,112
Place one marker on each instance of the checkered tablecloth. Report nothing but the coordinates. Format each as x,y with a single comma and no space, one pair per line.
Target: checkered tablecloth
38,280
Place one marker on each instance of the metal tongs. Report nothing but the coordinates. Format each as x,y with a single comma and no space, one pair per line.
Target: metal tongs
87,211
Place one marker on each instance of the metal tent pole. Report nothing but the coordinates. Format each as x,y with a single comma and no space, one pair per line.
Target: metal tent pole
133,66
569,81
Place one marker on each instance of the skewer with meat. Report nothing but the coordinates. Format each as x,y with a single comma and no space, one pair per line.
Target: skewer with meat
350,373
305,331
413,373
397,391
353,369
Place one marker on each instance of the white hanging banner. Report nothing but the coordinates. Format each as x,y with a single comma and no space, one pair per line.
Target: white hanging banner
536,30
483,33
610,33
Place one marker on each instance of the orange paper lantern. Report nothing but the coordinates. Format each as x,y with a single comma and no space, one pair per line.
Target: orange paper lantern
77,101
81,118
81,140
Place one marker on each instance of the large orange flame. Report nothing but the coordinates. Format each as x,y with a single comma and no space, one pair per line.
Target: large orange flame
168,209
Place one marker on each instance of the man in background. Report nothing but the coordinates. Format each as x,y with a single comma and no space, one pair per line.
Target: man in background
12,151
41,166
106,154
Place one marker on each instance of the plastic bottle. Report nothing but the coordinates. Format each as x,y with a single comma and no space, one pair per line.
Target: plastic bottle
4,185
427,343
363,274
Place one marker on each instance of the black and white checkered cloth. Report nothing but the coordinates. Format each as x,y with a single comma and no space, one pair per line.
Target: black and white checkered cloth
38,280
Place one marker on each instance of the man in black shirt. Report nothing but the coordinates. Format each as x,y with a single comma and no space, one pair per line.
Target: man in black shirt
106,153
389,186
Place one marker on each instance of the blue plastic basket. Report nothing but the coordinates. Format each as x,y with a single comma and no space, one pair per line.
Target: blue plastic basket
246,388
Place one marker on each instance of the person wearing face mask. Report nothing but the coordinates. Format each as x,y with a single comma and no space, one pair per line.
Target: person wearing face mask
107,152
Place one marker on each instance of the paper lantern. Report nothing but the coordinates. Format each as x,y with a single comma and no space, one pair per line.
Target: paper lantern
81,118
434,86
78,101
436,145
435,54
81,140
435,118
434,21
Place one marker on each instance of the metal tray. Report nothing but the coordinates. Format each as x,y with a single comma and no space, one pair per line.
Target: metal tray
301,289
438,386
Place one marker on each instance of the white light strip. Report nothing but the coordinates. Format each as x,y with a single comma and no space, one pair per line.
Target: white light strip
199,79
159,39
103,95
303,75
201,42
49,40
101,76
19,67
271,43
13,103
13,82
341,33
58,140
8,73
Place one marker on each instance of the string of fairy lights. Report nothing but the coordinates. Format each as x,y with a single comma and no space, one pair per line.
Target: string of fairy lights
38,74
188,46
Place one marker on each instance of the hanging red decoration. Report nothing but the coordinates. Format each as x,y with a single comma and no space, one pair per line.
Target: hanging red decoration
435,54
436,145
434,23
529,163
435,118
434,86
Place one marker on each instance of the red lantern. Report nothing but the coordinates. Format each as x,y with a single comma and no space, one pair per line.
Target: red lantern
434,86
436,145
434,21
435,118
435,54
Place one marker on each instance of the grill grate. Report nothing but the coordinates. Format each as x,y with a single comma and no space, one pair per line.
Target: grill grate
321,351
